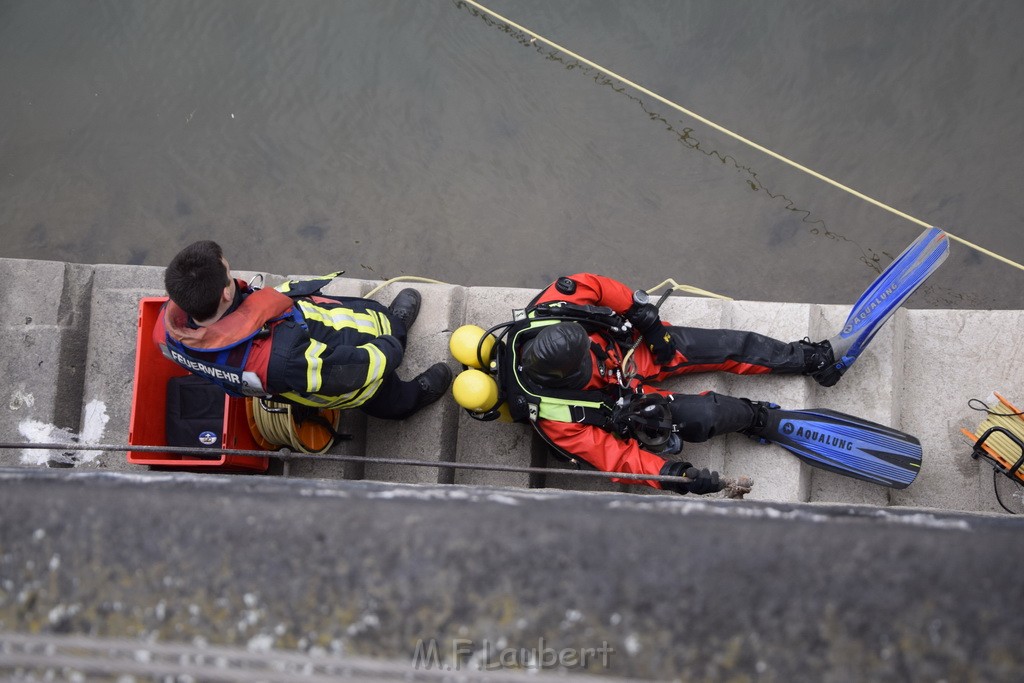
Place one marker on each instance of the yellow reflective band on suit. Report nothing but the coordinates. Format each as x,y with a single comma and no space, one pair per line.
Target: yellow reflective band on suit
353,399
375,371
286,287
382,320
371,322
558,410
314,365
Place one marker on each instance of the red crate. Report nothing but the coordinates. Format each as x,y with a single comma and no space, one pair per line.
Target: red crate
147,424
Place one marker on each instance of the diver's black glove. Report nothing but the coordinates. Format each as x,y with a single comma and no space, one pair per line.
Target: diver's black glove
643,316
828,376
703,481
645,319
661,343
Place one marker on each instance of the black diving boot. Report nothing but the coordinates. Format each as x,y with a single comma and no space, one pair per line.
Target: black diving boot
406,306
820,362
433,381
762,423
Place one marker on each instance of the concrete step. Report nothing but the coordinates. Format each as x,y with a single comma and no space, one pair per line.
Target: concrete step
69,360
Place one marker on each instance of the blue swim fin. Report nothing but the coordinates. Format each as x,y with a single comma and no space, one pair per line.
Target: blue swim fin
887,293
847,445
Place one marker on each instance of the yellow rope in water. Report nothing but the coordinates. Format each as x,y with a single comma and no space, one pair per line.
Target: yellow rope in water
735,136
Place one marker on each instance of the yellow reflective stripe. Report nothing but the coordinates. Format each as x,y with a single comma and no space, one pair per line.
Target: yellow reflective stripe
375,372
314,365
558,409
555,413
385,324
286,287
343,318
353,399
315,401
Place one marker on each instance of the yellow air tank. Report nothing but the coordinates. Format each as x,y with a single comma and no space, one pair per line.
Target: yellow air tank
475,390
464,343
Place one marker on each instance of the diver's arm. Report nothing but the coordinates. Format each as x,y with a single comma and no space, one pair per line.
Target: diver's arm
588,288
603,450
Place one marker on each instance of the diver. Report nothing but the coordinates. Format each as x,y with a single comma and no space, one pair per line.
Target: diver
561,366
291,343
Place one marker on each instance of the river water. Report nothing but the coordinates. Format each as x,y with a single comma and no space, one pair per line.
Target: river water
393,137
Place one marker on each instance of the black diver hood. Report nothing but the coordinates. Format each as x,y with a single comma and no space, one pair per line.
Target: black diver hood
559,357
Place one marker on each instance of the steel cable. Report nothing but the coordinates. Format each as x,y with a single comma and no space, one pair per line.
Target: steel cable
286,455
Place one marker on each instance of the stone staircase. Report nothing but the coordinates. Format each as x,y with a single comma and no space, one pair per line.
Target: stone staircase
68,334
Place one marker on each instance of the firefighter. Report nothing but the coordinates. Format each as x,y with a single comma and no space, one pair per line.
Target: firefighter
292,343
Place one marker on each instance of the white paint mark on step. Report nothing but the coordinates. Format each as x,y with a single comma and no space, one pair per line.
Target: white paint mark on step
94,423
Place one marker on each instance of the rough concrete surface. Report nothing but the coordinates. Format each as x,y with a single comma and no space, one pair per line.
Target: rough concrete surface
670,587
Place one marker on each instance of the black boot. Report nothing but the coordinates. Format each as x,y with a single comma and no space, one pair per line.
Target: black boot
820,362
434,382
761,423
406,306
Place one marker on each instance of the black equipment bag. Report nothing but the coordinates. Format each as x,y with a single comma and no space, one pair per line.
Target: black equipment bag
195,412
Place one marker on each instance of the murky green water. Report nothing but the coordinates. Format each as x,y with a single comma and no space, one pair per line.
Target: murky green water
417,138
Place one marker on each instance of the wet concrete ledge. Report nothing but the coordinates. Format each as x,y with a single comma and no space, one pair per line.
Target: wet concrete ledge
671,586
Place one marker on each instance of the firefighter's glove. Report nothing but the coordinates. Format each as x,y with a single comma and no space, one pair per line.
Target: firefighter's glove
701,480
